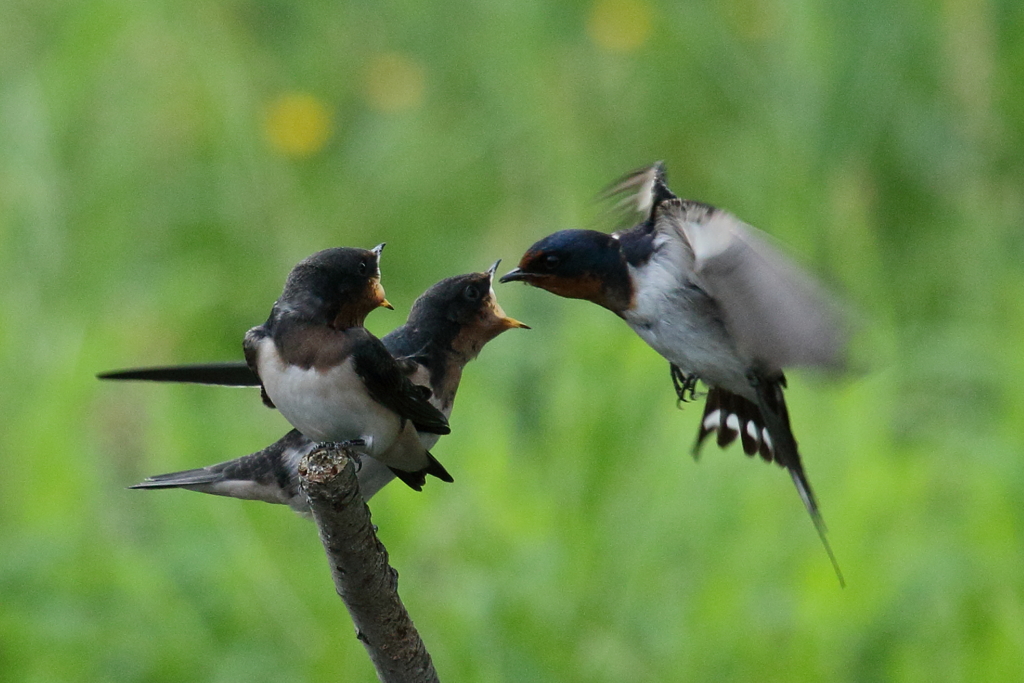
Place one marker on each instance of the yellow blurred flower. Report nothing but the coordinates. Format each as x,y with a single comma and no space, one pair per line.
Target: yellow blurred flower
297,124
394,82
620,25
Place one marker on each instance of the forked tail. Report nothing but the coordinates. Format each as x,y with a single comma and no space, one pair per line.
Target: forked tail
763,429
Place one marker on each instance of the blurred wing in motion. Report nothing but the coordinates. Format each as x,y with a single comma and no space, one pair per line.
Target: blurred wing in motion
776,312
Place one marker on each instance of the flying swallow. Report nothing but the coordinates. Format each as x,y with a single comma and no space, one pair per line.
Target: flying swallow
713,297
447,327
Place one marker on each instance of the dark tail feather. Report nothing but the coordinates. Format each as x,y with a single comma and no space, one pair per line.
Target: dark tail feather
232,374
763,429
803,487
173,480
710,421
437,469
772,406
416,480
269,475
732,416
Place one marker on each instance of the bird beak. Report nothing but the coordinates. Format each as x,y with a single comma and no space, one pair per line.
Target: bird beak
511,323
516,274
378,292
379,248
490,271
507,322
501,321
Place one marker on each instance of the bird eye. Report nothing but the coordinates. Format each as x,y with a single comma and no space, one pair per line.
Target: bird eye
551,261
472,293
362,267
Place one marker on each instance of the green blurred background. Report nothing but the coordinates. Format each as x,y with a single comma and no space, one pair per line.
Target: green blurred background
163,165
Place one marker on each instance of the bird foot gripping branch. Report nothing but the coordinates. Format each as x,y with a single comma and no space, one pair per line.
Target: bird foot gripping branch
325,462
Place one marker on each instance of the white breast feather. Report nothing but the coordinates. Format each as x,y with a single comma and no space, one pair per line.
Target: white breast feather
327,406
669,315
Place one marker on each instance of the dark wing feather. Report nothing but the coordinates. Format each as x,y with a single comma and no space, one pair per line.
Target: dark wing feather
386,383
640,191
229,374
416,480
250,346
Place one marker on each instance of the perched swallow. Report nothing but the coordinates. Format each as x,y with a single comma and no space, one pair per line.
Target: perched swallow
447,327
331,378
713,297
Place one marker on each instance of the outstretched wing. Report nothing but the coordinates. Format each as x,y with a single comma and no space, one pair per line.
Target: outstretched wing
640,191
386,384
775,312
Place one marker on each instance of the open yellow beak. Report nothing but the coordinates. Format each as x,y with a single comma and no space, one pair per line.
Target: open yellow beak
378,292
504,322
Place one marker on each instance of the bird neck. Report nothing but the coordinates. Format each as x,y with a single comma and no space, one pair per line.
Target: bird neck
348,317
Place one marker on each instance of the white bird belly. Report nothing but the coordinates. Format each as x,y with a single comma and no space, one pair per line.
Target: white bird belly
330,406
677,320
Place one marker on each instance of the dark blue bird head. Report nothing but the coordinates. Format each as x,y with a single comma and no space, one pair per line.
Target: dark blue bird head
577,264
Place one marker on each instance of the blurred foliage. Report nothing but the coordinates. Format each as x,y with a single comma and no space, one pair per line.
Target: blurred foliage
163,165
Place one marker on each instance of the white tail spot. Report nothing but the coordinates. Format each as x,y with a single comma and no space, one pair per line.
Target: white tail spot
713,420
752,430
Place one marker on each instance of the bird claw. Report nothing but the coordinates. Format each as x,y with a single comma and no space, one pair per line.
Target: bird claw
343,445
685,385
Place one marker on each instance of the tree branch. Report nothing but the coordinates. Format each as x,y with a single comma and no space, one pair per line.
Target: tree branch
359,565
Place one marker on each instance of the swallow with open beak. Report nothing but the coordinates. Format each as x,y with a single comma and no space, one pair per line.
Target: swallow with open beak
447,327
331,378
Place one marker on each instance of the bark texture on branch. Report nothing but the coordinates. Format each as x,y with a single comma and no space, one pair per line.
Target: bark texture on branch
359,565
